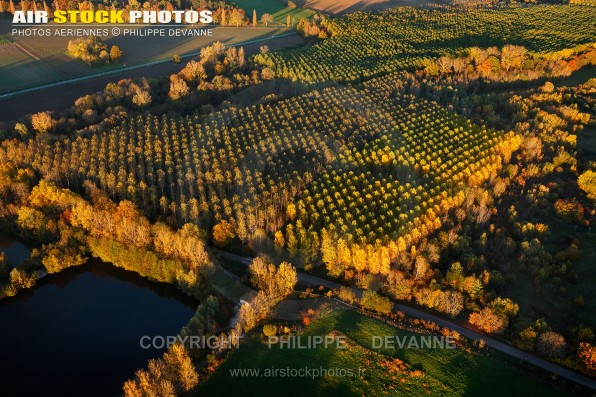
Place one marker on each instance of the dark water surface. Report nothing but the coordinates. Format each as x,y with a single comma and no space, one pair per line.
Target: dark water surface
14,251
77,333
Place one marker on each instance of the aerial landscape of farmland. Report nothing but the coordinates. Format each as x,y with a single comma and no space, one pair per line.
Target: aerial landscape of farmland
297,198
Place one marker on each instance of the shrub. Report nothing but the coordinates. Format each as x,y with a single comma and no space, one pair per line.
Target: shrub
21,129
346,295
269,330
373,301
548,87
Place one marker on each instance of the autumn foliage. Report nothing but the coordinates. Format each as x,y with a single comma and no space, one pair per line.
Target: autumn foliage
587,354
488,321
170,375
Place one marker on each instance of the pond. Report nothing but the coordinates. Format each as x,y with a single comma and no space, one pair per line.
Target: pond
77,333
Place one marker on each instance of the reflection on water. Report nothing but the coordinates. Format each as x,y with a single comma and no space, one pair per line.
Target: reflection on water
77,333
15,251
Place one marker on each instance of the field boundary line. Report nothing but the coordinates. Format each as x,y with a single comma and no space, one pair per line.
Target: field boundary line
26,51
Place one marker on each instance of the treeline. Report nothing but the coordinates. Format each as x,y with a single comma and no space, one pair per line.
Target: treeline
511,63
146,263
93,51
168,376
483,97
59,245
218,68
68,226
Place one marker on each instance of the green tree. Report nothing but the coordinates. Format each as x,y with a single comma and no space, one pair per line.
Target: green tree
372,301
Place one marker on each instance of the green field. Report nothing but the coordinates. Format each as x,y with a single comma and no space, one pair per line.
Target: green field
440,372
21,70
278,9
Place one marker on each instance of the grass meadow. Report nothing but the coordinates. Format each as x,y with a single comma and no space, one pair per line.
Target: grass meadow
396,372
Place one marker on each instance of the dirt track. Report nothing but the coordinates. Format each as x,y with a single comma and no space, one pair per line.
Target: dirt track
63,96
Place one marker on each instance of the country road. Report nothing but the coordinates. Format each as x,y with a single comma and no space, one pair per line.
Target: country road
307,279
58,96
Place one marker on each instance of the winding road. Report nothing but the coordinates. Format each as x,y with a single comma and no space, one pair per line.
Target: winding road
310,280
